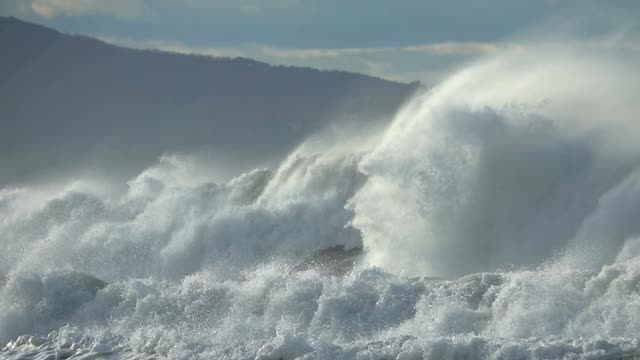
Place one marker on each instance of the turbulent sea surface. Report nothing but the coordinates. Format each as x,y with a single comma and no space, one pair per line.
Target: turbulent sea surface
497,216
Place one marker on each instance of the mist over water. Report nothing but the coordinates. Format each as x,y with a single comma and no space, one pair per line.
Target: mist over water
515,182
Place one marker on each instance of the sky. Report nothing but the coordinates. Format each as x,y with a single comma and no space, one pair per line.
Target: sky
403,40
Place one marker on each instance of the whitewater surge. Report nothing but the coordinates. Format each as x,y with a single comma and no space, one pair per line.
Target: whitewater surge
497,217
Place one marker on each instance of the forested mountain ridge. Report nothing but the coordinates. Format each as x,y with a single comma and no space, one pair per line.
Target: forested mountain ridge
68,100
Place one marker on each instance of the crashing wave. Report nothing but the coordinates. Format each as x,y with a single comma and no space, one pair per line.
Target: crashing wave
496,217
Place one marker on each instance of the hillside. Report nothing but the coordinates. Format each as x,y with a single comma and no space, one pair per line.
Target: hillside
71,102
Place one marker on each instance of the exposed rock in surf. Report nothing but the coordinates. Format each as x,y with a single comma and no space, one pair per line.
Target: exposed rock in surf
332,261
91,283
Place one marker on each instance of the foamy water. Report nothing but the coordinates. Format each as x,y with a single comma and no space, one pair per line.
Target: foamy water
498,217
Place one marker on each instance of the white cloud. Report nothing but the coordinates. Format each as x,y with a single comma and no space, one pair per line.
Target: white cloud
447,48
135,9
127,9
245,7
450,48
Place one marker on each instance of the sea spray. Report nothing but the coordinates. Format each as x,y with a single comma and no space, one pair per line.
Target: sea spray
504,164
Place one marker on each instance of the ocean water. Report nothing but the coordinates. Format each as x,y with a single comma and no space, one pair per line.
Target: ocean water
496,217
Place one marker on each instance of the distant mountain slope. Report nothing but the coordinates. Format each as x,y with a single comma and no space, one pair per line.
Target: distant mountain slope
68,102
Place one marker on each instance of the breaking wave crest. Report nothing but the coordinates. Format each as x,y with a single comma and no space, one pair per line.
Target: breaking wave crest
496,217
508,162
